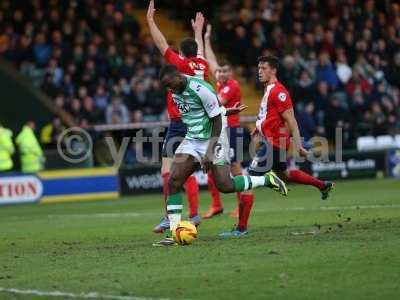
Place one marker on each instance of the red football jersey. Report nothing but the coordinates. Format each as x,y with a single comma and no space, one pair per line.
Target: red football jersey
231,93
194,66
270,122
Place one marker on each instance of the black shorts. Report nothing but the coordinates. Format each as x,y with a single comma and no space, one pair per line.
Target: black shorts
175,135
236,140
268,157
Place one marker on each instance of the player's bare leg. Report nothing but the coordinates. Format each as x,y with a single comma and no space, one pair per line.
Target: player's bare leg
182,167
165,173
192,190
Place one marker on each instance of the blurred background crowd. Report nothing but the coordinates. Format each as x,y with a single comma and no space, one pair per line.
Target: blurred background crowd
86,56
339,59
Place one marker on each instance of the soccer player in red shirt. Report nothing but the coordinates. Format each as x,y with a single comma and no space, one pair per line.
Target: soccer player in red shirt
276,124
190,63
229,94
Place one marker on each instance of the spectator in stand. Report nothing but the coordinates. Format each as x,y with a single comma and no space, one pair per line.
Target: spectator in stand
343,70
336,116
117,112
307,123
304,89
325,71
101,98
156,97
90,112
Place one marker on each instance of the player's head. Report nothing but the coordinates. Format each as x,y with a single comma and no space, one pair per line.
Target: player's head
171,78
267,68
224,72
188,47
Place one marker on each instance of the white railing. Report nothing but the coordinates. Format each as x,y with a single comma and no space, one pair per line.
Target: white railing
367,143
145,125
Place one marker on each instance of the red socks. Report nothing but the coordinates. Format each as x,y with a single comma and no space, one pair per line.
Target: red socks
301,177
245,205
192,192
215,195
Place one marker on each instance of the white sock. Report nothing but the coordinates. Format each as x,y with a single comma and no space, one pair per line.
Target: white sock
257,181
174,220
249,182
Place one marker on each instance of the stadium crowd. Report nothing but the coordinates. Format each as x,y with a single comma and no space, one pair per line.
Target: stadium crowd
86,56
340,59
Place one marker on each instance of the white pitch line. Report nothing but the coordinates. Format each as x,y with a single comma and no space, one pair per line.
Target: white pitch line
105,215
91,295
295,208
353,207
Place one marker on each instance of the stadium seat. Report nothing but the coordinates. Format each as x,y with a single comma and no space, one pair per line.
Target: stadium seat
366,143
385,142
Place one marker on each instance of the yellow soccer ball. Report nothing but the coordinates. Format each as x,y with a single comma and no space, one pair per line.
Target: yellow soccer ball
185,233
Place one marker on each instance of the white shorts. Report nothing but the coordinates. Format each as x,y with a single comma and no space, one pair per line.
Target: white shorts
198,149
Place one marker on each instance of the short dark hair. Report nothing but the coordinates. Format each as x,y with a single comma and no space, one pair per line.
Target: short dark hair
168,70
226,63
188,47
271,60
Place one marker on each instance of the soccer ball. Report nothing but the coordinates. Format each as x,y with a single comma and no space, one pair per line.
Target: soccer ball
185,233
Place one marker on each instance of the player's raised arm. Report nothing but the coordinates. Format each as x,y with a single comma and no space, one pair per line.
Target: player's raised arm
210,55
156,34
197,26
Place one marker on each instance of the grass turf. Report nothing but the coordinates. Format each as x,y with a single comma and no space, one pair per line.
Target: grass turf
106,247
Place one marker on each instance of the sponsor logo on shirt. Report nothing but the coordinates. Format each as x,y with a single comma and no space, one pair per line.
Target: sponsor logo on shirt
226,89
282,96
183,108
211,106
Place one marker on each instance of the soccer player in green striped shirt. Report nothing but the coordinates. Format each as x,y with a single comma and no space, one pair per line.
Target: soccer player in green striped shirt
206,143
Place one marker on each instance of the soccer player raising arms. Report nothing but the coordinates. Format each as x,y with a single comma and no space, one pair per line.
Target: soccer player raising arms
190,62
205,143
276,124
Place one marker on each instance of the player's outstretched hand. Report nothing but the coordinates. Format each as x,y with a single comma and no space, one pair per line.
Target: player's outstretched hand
237,108
303,152
207,35
198,23
150,11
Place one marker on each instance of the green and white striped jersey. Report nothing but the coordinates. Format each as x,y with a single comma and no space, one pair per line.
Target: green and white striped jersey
198,104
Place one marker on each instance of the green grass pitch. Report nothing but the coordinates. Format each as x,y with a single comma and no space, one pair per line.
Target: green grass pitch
299,247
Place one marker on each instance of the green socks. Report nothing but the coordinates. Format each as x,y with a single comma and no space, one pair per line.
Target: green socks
174,210
243,183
